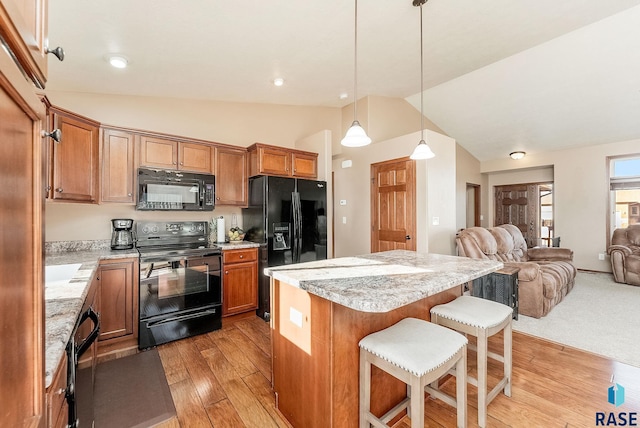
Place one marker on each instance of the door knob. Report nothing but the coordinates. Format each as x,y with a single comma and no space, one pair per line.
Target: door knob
56,135
58,52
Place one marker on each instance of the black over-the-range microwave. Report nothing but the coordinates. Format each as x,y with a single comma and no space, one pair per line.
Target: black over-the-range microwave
163,190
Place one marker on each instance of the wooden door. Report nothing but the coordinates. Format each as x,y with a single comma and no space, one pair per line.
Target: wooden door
158,153
231,176
195,157
118,171
118,316
393,205
75,159
22,389
518,204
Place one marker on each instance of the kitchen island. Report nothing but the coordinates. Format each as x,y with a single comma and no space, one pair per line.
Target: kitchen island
321,310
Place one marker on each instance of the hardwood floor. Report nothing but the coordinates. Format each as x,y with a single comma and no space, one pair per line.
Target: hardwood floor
222,379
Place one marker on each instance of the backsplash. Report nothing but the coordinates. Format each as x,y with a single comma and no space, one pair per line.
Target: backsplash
66,246
90,222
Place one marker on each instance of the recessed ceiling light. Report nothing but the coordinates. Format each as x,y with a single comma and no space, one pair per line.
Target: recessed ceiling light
344,96
278,81
118,61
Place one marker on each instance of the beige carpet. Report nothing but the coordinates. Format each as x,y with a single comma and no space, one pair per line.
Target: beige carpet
598,315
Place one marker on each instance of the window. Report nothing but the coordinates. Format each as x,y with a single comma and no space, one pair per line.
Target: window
624,186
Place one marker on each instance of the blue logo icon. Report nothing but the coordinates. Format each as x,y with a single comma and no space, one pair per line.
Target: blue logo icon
616,394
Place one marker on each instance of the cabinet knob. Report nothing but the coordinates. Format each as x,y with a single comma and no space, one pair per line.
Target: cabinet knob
59,190
175,163
226,272
61,391
47,189
181,163
241,256
58,52
128,194
56,135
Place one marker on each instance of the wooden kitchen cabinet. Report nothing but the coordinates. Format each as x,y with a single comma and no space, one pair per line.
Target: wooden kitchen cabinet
239,281
177,155
24,30
305,165
272,160
22,308
118,296
75,158
118,167
57,407
231,176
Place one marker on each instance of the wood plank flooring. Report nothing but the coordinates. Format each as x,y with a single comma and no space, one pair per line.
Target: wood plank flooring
222,379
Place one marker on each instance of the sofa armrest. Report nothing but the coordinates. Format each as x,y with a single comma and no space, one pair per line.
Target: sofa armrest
626,251
529,271
550,254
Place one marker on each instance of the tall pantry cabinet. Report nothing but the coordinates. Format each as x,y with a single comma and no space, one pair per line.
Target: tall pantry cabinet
22,70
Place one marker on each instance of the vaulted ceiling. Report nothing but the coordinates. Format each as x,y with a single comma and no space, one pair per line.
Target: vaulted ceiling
500,75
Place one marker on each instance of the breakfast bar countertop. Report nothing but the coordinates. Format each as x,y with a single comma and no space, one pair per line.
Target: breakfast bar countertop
381,282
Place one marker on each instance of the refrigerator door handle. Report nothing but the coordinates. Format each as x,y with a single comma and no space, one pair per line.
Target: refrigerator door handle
297,227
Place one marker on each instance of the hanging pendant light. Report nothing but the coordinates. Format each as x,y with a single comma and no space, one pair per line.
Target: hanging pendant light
355,136
422,150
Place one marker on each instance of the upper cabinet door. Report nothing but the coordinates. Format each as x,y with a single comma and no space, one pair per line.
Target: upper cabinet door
231,176
75,158
305,164
118,170
24,28
195,157
158,153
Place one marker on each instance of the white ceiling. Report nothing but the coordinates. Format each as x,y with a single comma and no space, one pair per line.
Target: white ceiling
500,75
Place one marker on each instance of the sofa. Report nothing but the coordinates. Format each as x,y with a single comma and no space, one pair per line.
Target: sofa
546,274
625,254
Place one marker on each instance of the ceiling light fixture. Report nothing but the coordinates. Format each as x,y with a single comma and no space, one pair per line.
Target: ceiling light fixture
278,81
422,150
517,155
118,61
356,136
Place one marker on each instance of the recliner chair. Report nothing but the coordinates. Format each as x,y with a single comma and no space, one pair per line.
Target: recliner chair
625,254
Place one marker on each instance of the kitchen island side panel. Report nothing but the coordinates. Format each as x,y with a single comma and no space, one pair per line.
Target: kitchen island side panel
316,356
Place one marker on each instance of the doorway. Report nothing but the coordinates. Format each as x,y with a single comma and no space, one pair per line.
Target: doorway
473,205
529,207
393,205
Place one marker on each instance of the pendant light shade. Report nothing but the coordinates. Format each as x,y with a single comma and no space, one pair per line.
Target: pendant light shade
422,150
356,135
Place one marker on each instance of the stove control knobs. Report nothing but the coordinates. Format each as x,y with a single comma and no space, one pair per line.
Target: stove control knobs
200,227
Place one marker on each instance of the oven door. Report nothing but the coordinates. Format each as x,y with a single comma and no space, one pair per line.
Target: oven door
172,286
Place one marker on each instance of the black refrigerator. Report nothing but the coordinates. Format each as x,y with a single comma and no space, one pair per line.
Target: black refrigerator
288,218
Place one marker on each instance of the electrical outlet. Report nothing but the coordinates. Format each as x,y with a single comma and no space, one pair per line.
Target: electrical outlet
601,256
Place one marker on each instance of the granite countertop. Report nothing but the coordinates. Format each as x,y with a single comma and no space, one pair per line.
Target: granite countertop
237,246
64,299
381,282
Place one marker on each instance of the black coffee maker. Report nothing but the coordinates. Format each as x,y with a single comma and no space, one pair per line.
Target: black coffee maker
122,236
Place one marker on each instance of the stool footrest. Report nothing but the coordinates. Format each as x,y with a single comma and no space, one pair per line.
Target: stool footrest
497,389
441,395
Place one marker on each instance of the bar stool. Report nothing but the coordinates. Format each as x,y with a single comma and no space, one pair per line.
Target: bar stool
418,353
482,319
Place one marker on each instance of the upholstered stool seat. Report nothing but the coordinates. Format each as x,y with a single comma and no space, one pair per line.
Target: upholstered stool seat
418,353
482,319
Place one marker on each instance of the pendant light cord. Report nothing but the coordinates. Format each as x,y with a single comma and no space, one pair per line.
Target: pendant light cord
421,80
355,64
